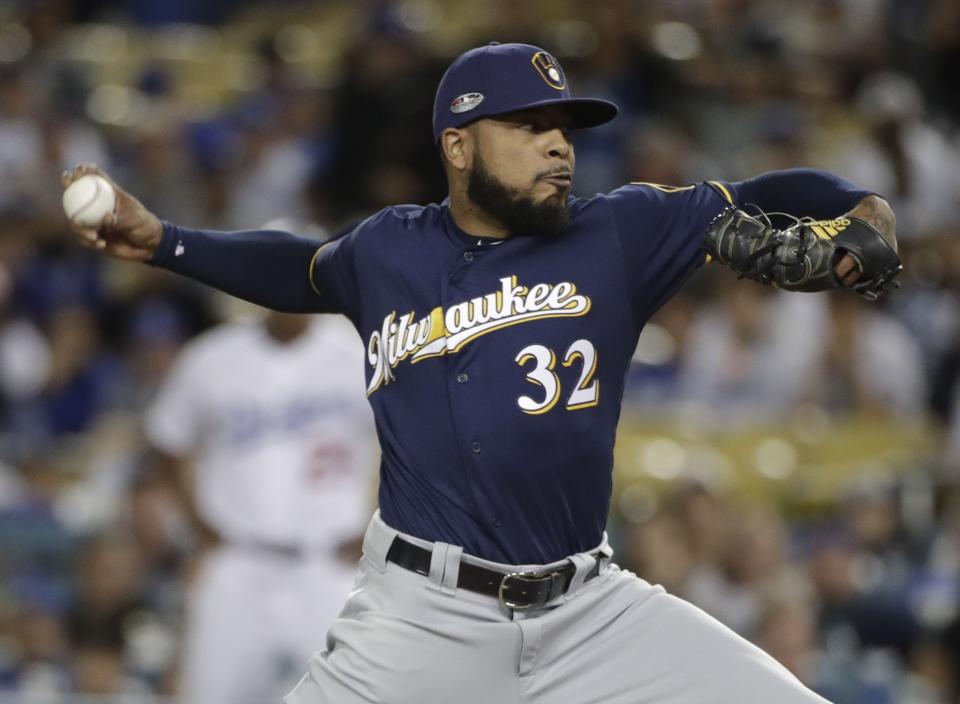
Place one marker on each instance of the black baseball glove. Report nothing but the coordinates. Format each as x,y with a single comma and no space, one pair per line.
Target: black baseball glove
802,257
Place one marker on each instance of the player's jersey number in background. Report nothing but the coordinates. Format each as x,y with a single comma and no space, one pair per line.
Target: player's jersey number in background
587,390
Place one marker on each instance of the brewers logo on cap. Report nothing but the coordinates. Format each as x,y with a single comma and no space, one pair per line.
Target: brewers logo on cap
549,69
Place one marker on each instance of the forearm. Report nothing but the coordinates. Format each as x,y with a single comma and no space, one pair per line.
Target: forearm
800,192
269,268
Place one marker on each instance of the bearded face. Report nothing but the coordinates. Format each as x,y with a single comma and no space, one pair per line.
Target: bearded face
515,209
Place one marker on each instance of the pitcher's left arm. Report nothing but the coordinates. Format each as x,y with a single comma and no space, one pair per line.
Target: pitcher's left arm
829,244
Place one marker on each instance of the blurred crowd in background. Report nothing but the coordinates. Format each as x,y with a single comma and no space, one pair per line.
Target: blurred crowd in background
787,462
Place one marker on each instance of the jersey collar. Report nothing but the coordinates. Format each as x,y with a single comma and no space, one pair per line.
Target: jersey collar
465,240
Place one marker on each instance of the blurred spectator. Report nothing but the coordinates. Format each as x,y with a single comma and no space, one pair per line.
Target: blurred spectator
758,352
38,667
905,158
37,141
754,568
162,535
659,551
941,40
79,385
752,353
159,169
384,153
283,130
855,611
788,632
868,362
98,669
110,591
33,537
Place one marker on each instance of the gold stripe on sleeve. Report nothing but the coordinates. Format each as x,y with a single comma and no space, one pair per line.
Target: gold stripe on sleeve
313,260
663,188
724,190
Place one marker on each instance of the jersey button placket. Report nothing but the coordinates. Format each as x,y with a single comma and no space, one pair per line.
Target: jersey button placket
463,377
475,447
468,256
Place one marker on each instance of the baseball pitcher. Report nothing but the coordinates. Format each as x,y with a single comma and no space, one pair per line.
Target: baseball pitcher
499,325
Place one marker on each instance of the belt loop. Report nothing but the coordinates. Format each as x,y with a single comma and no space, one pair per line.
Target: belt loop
583,562
438,559
605,550
377,541
444,568
451,569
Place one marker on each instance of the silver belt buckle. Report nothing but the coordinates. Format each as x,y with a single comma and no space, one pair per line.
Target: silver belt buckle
531,576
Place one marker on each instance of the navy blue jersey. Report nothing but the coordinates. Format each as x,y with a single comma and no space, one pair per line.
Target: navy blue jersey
495,368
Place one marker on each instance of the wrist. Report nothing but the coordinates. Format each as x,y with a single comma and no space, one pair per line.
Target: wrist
165,244
155,238
877,213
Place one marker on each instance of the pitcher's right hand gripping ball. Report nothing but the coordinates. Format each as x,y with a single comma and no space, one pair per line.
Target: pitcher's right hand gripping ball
130,231
802,257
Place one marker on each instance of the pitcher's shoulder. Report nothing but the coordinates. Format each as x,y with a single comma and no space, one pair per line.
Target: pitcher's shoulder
404,218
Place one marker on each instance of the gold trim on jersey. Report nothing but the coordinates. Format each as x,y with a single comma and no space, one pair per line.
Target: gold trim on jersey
726,194
677,189
663,188
724,190
313,260
446,331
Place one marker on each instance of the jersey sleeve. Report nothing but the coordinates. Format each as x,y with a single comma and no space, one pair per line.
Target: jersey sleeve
799,192
174,422
333,275
255,265
334,269
660,230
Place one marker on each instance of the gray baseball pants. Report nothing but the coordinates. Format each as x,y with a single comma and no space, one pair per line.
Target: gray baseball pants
403,638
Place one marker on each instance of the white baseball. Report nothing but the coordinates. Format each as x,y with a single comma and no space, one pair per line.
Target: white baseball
88,200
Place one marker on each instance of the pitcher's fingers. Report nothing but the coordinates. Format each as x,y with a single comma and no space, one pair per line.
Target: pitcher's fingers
851,278
848,270
844,266
88,244
85,234
83,169
88,168
71,175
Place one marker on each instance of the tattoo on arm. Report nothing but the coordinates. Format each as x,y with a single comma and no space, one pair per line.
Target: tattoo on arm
877,212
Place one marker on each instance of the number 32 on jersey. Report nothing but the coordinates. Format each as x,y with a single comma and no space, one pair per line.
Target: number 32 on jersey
587,390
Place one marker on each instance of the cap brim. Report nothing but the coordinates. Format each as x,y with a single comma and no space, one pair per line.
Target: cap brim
584,112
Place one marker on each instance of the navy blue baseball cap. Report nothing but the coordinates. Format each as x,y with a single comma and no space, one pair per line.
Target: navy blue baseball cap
500,78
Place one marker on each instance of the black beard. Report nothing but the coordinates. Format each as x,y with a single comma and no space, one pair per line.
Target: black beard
518,214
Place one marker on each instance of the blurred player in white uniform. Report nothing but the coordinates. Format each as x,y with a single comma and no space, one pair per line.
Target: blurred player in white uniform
267,428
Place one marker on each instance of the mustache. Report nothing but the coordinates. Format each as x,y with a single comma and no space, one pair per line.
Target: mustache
556,172
562,172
